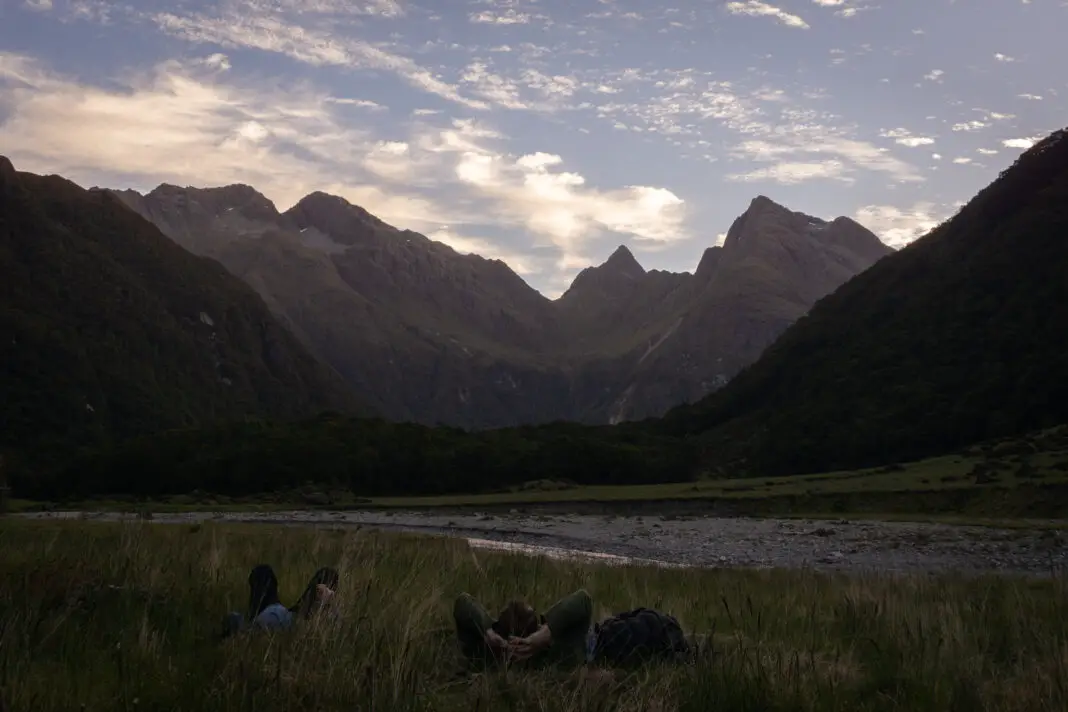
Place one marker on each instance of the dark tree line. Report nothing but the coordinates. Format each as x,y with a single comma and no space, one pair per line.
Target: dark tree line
369,457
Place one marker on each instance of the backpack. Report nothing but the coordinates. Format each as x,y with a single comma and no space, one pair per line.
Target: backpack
638,636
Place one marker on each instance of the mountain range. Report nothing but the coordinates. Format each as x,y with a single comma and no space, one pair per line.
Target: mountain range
957,339
425,334
110,330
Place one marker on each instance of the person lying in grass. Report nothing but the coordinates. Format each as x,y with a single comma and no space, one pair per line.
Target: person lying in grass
265,609
318,597
564,634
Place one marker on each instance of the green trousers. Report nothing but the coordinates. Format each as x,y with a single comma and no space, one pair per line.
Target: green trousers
569,621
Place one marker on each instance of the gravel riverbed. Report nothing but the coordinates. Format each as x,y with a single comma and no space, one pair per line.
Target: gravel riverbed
701,541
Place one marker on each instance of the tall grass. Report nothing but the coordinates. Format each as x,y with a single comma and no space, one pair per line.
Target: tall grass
102,616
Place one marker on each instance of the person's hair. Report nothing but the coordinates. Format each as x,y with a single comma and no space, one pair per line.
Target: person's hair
262,589
517,619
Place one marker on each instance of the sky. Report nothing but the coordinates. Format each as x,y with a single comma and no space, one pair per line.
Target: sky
543,132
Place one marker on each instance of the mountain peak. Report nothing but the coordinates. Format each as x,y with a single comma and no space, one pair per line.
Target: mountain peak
237,196
622,261
7,171
616,275
337,217
763,204
709,261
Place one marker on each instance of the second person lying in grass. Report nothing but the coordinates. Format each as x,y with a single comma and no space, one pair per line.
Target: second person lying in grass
565,633
265,609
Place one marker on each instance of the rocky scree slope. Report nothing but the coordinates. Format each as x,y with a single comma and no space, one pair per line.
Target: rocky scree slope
426,334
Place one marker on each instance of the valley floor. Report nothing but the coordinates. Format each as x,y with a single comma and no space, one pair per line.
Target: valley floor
831,545
976,487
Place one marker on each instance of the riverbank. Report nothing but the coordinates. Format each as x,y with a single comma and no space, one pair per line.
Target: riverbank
829,545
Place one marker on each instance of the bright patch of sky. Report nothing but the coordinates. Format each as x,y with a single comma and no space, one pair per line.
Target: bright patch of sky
543,132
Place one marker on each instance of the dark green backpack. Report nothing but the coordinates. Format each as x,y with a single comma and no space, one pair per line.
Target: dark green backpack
638,636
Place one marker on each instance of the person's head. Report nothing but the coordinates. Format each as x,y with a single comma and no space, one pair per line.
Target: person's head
320,589
262,588
328,577
517,619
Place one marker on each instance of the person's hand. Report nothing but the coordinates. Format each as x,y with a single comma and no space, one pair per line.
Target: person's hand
495,642
525,648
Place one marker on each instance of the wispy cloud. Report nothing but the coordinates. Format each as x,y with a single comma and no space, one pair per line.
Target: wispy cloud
906,138
756,8
508,17
273,34
789,172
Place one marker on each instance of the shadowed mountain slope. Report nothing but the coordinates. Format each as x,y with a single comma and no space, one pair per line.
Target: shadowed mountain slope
426,334
960,337
111,330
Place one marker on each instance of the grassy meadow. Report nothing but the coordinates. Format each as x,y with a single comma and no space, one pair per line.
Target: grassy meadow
99,616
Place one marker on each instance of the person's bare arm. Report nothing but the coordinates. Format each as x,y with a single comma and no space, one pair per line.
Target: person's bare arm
524,648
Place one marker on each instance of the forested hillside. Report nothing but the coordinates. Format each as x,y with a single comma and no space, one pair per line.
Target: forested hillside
110,330
960,337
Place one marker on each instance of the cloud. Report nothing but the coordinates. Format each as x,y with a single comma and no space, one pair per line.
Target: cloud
530,190
849,155
360,103
192,123
897,227
497,89
1003,57
1024,143
681,106
176,122
39,5
520,263
272,33
530,90
1030,97
789,173
906,138
756,8
508,17
374,8
843,10
390,160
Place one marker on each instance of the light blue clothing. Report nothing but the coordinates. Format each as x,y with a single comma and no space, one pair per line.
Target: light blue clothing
274,617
